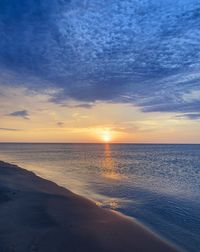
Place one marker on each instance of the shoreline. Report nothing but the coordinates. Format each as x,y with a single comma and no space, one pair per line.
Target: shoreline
38,215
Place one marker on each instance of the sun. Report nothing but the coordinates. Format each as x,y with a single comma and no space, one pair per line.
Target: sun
106,136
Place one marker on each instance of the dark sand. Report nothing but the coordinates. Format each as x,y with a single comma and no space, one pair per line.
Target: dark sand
39,216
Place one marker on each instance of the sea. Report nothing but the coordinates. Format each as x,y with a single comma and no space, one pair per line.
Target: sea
157,184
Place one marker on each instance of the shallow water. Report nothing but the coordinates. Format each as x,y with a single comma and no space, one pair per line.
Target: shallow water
157,184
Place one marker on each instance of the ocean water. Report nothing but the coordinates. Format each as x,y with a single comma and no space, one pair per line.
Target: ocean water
159,185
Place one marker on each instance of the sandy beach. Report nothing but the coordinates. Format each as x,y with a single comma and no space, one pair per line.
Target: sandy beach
39,216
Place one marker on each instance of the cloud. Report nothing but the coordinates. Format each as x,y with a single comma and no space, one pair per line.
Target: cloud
60,124
81,105
146,53
84,105
9,129
21,113
192,116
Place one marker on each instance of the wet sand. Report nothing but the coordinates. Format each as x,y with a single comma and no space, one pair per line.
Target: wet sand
37,215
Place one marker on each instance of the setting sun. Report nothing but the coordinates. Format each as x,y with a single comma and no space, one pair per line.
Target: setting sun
106,136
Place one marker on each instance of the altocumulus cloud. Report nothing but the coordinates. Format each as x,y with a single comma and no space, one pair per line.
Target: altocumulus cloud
144,52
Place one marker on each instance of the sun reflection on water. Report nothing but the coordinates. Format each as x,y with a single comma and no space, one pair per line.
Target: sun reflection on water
112,203
108,165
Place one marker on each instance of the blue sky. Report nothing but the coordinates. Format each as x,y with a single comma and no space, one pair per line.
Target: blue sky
145,53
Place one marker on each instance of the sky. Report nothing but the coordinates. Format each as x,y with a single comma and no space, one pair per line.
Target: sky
87,70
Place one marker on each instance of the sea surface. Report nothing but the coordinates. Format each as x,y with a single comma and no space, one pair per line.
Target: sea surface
158,184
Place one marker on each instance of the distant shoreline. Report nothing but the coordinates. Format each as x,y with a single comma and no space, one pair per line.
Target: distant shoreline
38,215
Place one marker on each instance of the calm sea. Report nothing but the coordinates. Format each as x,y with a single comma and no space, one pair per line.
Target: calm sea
157,184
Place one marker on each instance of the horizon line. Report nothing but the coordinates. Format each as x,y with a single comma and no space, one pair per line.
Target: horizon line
104,143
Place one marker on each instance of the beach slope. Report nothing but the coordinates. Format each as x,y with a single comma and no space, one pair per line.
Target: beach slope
37,215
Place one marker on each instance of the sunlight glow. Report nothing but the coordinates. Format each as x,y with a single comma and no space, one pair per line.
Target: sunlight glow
106,136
